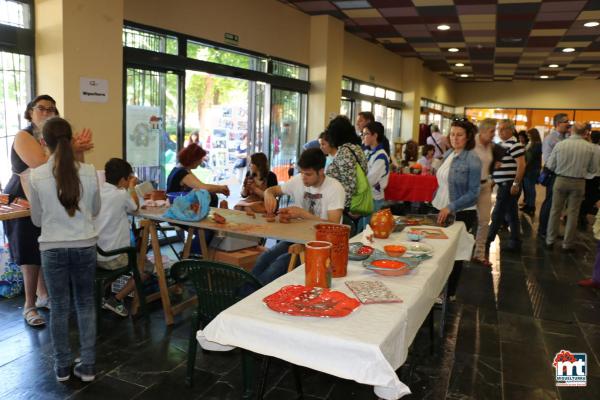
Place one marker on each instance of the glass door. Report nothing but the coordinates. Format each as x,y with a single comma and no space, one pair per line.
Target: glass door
151,113
219,115
287,133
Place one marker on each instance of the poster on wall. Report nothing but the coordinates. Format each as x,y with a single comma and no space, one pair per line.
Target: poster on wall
143,131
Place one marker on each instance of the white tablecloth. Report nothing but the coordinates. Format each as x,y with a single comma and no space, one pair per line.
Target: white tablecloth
368,345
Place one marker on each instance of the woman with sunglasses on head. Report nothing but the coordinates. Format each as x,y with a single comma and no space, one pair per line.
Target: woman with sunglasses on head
459,184
28,152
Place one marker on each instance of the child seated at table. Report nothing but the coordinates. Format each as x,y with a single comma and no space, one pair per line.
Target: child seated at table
118,198
425,161
257,180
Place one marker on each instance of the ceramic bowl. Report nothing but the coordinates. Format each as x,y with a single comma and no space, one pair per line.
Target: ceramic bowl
389,267
394,250
414,236
356,254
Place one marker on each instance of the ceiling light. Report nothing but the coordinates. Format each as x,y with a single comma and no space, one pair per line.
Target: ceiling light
553,66
591,24
446,27
454,50
459,65
568,50
464,75
543,76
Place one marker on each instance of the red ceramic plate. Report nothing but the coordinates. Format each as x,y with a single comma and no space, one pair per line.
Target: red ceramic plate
390,264
311,302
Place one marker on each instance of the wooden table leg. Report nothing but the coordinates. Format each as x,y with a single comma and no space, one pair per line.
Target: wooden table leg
162,279
188,243
141,259
206,255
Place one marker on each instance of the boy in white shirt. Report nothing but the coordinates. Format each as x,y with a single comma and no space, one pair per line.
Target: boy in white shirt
118,198
314,195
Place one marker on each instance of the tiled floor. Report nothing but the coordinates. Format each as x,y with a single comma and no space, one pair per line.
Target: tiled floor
502,334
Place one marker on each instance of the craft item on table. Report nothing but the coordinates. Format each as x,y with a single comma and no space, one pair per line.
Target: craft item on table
251,213
358,251
372,292
192,207
155,203
4,199
414,236
223,204
158,195
21,203
317,266
431,233
427,219
218,218
382,223
416,169
338,236
300,300
284,217
393,250
387,267
173,195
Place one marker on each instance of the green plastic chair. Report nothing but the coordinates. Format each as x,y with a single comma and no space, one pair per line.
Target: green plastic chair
218,286
104,277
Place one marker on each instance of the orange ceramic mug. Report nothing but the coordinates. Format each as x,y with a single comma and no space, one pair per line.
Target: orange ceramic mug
317,264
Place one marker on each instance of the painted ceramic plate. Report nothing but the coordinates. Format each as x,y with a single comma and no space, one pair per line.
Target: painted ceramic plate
358,251
306,301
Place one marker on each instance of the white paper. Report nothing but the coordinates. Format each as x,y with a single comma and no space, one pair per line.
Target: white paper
93,90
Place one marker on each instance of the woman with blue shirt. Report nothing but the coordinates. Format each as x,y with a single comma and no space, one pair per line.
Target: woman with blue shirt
64,199
459,183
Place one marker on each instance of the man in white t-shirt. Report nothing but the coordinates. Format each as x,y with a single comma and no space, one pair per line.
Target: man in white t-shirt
314,196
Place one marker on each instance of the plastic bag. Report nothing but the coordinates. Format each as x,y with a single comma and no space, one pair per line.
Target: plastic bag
192,207
11,278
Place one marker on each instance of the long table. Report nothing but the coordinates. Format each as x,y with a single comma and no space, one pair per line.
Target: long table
367,346
297,231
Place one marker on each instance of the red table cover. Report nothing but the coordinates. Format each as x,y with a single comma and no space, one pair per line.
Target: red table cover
409,187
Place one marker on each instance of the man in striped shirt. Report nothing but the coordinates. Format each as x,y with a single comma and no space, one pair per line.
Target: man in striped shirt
508,178
571,160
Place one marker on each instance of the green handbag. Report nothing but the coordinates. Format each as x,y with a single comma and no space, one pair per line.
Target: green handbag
362,199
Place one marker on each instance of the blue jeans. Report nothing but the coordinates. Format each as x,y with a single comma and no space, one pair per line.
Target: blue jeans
273,263
506,207
66,271
546,207
529,182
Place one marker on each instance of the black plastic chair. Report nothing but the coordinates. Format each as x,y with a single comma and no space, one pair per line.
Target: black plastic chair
104,277
218,286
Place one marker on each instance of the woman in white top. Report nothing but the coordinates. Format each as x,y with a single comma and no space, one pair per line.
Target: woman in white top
458,179
65,198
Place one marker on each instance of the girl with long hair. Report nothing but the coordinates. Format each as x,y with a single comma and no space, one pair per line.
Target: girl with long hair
257,180
64,199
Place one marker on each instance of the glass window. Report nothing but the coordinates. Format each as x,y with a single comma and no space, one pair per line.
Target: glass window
15,90
346,84
290,70
346,108
151,123
393,95
15,13
380,92
392,124
287,131
152,41
365,106
204,52
366,89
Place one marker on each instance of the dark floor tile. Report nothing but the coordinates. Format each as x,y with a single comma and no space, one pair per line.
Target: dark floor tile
313,383
348,390
478,333
592,337
172,385
527,365
514,391
475,376
513,296
108,387
559,328
150,364
590,392
517,328
16,346
587,311
284,394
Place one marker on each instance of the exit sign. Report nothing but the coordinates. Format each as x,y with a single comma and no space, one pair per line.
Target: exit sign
230,38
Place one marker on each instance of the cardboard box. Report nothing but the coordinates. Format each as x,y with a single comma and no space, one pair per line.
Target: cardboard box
245,258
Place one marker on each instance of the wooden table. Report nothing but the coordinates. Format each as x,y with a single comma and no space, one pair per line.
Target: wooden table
5,216
297,231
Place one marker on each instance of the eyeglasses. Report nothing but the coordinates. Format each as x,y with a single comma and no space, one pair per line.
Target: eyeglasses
42,109
565,121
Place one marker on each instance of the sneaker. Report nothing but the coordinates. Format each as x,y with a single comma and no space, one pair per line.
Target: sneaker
63,374
84,372
43,302
115,306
